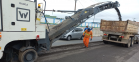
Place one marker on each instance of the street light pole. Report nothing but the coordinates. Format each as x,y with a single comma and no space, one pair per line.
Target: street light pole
75,5
134,19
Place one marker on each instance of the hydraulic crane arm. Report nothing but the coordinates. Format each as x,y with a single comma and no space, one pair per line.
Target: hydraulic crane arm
80,17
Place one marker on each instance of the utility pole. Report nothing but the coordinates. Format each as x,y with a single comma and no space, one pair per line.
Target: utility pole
75,5
134,19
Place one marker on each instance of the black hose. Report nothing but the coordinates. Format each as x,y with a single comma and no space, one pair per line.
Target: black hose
119,14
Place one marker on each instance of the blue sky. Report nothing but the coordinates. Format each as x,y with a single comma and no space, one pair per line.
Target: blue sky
129,9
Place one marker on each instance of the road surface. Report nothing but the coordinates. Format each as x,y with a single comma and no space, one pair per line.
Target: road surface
97,52
101,53
75,41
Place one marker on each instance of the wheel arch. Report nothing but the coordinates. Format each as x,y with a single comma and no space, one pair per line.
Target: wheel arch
20,43
70,36
15,46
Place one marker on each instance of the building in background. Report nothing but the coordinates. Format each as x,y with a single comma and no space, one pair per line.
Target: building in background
90,24
53,20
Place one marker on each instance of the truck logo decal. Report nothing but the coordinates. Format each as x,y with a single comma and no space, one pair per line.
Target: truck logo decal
23,14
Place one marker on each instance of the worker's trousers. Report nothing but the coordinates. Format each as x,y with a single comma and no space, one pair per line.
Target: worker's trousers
86,41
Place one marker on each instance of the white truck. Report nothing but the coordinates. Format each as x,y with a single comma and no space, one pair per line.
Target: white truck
21,35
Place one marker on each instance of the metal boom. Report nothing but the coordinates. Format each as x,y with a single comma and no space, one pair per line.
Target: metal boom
80,17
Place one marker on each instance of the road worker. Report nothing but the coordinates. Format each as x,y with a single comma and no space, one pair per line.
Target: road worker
87,28
87,34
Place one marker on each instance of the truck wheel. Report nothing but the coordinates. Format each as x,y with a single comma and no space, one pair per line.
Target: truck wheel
137,42
129,43
29,55
132,42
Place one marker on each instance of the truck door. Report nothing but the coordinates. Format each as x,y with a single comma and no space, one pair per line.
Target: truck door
18,15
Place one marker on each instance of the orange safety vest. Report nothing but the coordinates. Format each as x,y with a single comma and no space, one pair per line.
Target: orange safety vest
88,34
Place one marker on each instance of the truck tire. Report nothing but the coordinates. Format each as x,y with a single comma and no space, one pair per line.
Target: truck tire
29,55
129,43
132,41
137,42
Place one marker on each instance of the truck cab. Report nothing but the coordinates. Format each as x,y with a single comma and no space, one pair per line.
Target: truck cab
20,29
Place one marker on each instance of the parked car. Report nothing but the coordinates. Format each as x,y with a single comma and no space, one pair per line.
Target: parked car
74,34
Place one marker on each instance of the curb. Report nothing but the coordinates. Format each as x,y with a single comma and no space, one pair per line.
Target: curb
73,44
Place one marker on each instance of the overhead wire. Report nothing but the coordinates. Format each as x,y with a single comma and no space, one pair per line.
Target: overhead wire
81,3
92,1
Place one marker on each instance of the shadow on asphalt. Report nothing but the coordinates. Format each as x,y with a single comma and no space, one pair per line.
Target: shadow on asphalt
117,44
69,40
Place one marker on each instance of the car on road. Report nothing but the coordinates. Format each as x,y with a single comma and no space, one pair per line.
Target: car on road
74,34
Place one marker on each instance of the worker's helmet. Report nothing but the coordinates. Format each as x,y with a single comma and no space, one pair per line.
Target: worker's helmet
88,29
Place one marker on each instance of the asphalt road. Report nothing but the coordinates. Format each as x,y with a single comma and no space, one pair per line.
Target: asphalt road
102,53
74,41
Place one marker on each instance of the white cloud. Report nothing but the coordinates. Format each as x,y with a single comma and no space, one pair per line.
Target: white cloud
128,8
